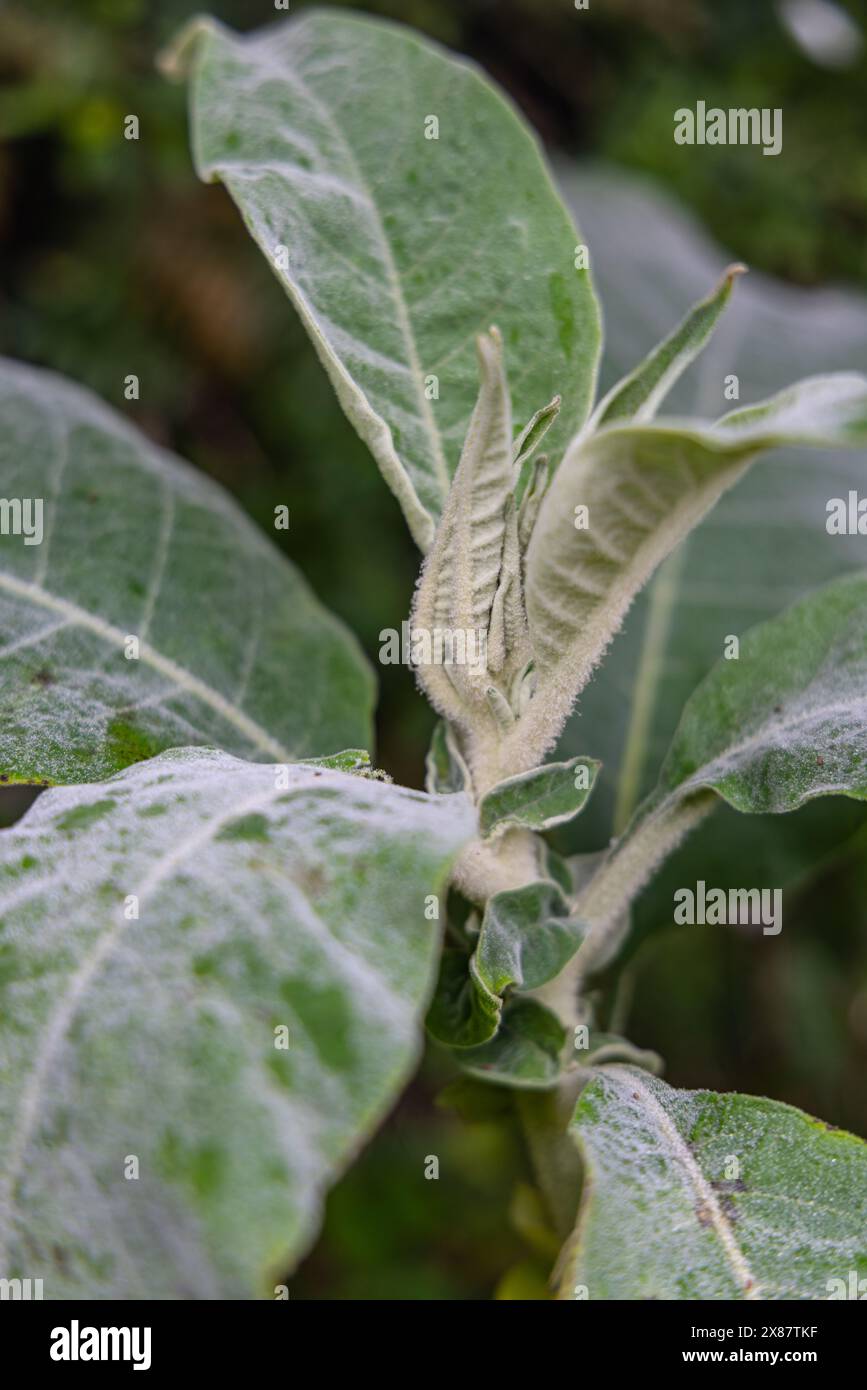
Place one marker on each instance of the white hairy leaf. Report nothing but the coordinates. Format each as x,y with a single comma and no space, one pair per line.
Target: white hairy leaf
403,205
694,1195
784,724
152,612
534,432
215,969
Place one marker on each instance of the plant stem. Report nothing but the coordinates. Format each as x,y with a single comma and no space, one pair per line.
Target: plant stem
605,901
544,1117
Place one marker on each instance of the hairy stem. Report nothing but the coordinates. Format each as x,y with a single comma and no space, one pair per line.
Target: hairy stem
484,869
605,901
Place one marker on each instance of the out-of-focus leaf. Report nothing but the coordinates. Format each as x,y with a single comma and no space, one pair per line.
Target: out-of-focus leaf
462,1013
232,647
525,1052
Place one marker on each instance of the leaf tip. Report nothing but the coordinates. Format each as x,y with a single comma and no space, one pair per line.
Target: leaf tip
175,61
490,346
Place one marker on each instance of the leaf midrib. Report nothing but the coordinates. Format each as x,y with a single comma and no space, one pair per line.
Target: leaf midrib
680,1150
389,264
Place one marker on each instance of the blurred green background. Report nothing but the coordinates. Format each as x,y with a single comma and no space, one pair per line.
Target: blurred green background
116,260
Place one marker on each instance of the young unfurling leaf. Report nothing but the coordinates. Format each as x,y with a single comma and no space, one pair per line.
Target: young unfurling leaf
531,501
471,581
644,488
533,433
639,395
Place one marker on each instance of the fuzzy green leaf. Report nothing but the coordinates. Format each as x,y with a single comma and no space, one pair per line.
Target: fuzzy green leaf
159,930
693,1195
526,938
539,799
639,395
321,129
786,721
533,433
233,648
526,1052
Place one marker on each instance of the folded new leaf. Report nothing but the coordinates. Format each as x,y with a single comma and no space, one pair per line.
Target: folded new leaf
640,394
534,432
527,937
471,583
462,1013
461,575
693,1195
445,768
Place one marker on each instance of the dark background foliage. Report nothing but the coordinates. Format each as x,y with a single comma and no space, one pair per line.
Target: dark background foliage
116,260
